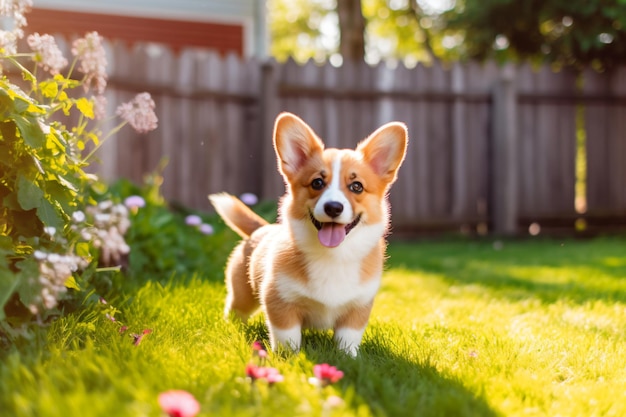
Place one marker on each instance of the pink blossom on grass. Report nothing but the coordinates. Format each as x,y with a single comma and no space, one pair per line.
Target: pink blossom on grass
178,403
259,350
139,113
137,338
326,374
47,53
269,374
91,56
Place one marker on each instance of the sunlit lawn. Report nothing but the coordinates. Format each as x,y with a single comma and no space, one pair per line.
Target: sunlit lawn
460,328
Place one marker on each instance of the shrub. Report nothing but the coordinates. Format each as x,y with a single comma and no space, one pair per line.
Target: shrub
53,229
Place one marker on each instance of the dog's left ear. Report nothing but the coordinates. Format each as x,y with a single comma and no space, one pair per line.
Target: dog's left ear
384,150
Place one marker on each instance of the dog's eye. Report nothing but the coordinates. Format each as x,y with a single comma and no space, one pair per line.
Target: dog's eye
318,184
356,187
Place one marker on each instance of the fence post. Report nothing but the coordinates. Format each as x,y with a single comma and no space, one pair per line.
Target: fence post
504,168
268,104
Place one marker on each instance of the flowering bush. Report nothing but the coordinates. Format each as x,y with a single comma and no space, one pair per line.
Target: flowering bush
52,227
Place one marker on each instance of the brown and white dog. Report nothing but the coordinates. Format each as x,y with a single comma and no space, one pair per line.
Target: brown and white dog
321,266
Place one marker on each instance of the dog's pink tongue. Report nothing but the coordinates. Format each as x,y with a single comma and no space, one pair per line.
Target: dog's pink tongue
331,234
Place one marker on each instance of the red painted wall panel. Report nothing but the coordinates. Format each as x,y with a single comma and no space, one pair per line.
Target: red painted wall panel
175,33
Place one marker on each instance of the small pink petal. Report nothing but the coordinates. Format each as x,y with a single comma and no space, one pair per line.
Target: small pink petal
134,201
179,403
249,198
326,373
206,229
193,220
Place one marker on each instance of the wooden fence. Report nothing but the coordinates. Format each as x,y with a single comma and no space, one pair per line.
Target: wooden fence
490,147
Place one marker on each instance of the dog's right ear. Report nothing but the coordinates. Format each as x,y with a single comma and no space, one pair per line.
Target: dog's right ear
295,142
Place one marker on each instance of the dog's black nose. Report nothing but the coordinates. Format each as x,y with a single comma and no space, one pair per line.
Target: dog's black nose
333,208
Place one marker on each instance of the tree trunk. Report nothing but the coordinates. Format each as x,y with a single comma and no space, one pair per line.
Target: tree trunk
352,30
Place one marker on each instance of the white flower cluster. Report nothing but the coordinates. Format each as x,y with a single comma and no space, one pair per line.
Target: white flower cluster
139,113
92,59
16,10
108,225
54,271
47,53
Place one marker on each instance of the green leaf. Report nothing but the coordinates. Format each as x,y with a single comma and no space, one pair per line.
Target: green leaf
29,195
8,279
8,283
30,130
29,269
49,215
6,105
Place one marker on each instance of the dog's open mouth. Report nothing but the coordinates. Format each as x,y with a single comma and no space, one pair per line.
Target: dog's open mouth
331,234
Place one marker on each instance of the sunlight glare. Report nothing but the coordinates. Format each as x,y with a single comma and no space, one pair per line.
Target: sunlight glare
434,7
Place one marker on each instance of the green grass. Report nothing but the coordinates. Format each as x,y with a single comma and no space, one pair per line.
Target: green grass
460,328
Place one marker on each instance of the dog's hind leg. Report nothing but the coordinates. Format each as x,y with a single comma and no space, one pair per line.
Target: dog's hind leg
240,299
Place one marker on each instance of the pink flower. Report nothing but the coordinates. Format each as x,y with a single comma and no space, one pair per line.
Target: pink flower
89,51
271,375
206,229
100,107
193,220
327,374
249,199
138,337
178,403
259,350
139,113
47,53
134,202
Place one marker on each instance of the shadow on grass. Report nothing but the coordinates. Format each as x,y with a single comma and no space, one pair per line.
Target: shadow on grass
388,384
549,270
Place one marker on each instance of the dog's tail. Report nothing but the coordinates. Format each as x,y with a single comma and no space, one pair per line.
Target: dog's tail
236,214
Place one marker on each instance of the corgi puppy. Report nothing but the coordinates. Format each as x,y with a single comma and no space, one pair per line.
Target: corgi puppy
321,265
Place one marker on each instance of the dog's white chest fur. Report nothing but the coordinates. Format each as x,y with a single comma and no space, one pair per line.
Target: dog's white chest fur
331,288
333,283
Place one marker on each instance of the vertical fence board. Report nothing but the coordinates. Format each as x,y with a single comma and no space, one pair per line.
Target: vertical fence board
597,121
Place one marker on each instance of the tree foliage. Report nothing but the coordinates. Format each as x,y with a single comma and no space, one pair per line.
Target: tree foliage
562,32
303,29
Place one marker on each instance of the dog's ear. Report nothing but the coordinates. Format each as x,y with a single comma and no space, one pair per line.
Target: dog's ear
294,142
384,150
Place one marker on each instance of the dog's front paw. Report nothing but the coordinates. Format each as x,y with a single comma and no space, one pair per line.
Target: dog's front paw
285,338
349,339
